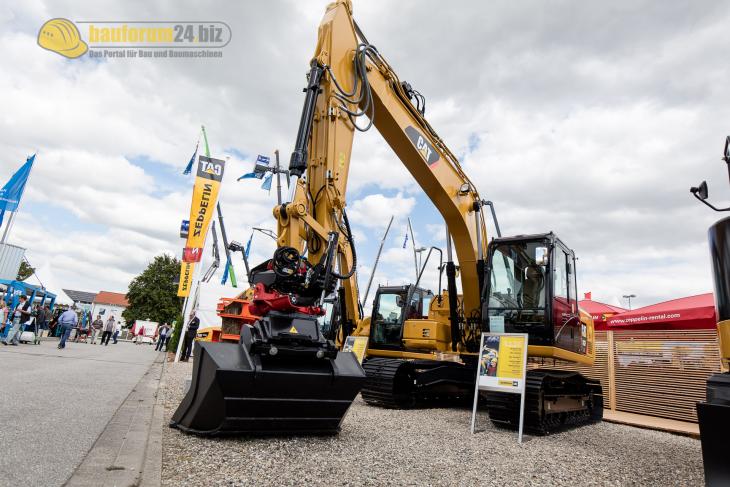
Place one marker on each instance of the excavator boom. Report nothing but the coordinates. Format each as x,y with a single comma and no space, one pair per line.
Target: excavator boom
428,350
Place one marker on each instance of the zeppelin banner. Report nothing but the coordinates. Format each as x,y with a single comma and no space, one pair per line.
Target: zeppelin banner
186,278
205,194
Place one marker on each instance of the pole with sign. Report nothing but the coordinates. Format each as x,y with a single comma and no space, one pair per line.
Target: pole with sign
502,367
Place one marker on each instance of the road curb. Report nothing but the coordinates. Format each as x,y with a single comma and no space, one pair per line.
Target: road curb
129,450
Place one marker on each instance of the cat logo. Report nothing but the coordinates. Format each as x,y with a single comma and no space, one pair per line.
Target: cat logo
210,168
427,151
293,330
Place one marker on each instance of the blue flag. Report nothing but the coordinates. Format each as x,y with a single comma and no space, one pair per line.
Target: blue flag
225,272
249,175
248,245
267,183
192,160
405,241
260,161
11,193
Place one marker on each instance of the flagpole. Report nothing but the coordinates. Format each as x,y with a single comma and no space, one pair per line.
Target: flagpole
11,220
7,227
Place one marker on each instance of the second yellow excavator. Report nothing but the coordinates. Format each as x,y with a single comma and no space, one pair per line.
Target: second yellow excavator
287,374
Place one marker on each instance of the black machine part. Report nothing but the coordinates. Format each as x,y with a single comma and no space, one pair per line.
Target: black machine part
235,392
290,335
719,239
714,414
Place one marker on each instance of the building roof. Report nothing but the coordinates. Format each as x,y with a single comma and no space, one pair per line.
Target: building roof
108,297
80,296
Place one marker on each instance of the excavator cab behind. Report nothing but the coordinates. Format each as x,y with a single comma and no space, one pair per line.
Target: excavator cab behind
394,305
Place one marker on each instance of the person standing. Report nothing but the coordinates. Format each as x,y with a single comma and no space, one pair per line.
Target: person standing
117,331
96,327
3,315
108,330
162,336
67,322
19,314
193,325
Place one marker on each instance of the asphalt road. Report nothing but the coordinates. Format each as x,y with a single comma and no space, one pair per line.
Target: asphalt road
55,403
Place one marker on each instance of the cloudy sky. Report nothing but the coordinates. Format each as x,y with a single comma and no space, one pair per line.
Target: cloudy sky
589,119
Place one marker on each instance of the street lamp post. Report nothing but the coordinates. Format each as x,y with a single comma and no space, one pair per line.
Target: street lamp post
419,251
629,296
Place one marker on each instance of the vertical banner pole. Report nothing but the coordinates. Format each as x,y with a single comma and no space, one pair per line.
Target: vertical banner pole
476,390
523,393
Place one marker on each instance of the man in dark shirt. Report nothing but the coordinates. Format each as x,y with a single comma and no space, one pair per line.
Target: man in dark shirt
189,338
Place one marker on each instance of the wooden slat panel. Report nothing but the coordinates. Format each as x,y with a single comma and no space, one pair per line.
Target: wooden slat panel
663,372
658,373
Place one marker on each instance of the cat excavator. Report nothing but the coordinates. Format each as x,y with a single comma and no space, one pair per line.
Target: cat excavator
287,375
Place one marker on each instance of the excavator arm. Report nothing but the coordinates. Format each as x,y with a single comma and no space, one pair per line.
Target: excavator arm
351,87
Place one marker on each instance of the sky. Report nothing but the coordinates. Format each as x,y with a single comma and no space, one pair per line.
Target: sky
588,119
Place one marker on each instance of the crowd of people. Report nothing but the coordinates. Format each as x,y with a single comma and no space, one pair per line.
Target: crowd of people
72,325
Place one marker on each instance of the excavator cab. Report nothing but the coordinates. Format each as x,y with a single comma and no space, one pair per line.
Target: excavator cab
530,287
392,307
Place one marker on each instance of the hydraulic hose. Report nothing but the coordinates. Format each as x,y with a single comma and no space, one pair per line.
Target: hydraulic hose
351,241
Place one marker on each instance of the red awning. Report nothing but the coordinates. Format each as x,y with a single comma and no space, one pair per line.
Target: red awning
600,312
693,312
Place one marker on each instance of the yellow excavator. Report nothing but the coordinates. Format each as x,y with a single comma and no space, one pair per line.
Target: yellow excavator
287,375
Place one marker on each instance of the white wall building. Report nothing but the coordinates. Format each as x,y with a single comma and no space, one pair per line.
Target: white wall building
109,304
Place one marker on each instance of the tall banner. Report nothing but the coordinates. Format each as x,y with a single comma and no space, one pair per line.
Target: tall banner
186,279
205,195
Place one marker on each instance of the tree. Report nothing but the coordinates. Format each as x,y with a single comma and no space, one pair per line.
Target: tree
152,295
25,271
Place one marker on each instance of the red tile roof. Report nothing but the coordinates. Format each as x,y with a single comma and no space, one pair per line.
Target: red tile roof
116,299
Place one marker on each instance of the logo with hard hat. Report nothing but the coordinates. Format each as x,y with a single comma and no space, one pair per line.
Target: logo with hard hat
134,39
63,37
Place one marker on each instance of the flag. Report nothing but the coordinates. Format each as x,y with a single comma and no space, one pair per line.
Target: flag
11,193
267,183
192,160
186,277
225,272
192,254
205,195
248,245
249,175
405,241
260,161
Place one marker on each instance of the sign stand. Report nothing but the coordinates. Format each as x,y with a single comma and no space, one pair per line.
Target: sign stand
502,367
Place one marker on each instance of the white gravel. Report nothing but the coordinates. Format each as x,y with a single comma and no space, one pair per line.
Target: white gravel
426,447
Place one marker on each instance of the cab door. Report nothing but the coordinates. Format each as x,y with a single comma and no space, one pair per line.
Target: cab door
566,321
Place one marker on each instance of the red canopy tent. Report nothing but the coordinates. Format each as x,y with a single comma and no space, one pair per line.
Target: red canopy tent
600,312
692,312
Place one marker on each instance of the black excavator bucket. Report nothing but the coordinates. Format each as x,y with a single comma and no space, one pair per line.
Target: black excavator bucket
244,388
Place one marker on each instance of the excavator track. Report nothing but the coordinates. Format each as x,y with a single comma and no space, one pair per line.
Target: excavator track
381,386
555,401
401,384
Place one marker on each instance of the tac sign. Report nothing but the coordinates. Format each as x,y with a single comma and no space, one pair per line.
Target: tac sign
502,367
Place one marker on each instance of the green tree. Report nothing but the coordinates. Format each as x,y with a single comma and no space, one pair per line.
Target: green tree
152,295
25,271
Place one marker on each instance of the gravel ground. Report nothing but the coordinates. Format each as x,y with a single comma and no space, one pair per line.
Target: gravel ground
426,447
